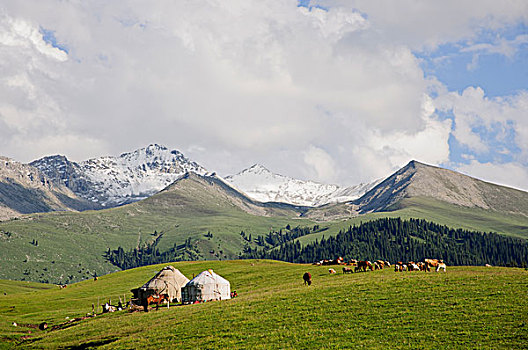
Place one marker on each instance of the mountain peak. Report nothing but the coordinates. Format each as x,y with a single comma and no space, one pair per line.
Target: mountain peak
422,180
263,185
257,169
112,181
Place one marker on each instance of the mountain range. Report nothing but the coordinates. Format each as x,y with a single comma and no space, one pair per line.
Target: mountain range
110,181
202,216
261,184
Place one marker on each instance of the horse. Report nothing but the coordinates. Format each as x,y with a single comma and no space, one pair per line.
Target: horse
307,278
157,299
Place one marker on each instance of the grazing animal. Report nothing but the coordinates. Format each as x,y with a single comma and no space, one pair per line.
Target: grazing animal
307,278
381,264
331,271
364,265
431,263
487,265
338,261
441,265
413,267
347,270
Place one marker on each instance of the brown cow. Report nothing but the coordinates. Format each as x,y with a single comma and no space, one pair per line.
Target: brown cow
307,278
381,264
436,264
364,265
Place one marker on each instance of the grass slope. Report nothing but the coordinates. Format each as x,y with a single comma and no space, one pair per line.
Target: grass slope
466,307
71,246
442,213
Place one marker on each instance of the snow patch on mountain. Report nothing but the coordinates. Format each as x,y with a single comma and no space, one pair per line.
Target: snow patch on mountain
112,181
261,184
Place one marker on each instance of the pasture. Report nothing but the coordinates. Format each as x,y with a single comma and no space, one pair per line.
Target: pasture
467,307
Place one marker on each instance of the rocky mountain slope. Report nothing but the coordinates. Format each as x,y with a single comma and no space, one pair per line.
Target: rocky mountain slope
112,181
261,184
420,180
211,194
24,189
417,180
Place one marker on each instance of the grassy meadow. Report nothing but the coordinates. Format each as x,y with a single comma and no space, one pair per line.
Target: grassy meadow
467,307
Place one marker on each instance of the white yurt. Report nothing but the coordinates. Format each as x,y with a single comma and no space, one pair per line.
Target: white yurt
168,281
205,287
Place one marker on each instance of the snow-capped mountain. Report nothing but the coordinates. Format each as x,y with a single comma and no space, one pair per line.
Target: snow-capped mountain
24,189
112,181
261,184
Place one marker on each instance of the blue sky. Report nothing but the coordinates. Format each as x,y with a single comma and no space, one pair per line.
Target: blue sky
499,73
496,73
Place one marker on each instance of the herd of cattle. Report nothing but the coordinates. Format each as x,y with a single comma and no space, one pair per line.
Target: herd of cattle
364,266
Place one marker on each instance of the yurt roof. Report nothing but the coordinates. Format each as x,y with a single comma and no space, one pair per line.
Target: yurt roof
168,275
206,277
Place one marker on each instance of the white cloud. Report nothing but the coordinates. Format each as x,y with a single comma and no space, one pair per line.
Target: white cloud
20,33
428,24
477,116
239,82
508,174
321,162
501,46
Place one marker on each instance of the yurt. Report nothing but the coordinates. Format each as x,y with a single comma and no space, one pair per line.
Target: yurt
168,281
205,287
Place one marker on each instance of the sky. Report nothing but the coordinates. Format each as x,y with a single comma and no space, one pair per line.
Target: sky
333,91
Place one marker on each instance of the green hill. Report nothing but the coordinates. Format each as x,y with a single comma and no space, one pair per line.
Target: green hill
466,307
63,247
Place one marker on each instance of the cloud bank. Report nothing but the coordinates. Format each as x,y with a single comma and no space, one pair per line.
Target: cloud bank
330,91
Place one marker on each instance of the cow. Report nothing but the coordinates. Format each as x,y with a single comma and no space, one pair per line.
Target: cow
431,263
307,278
331,271
441,265
435,263
364,265
347,270
413,266
338,261
381,264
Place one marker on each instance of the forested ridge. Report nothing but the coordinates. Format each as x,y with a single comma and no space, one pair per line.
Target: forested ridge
394,239
391,239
